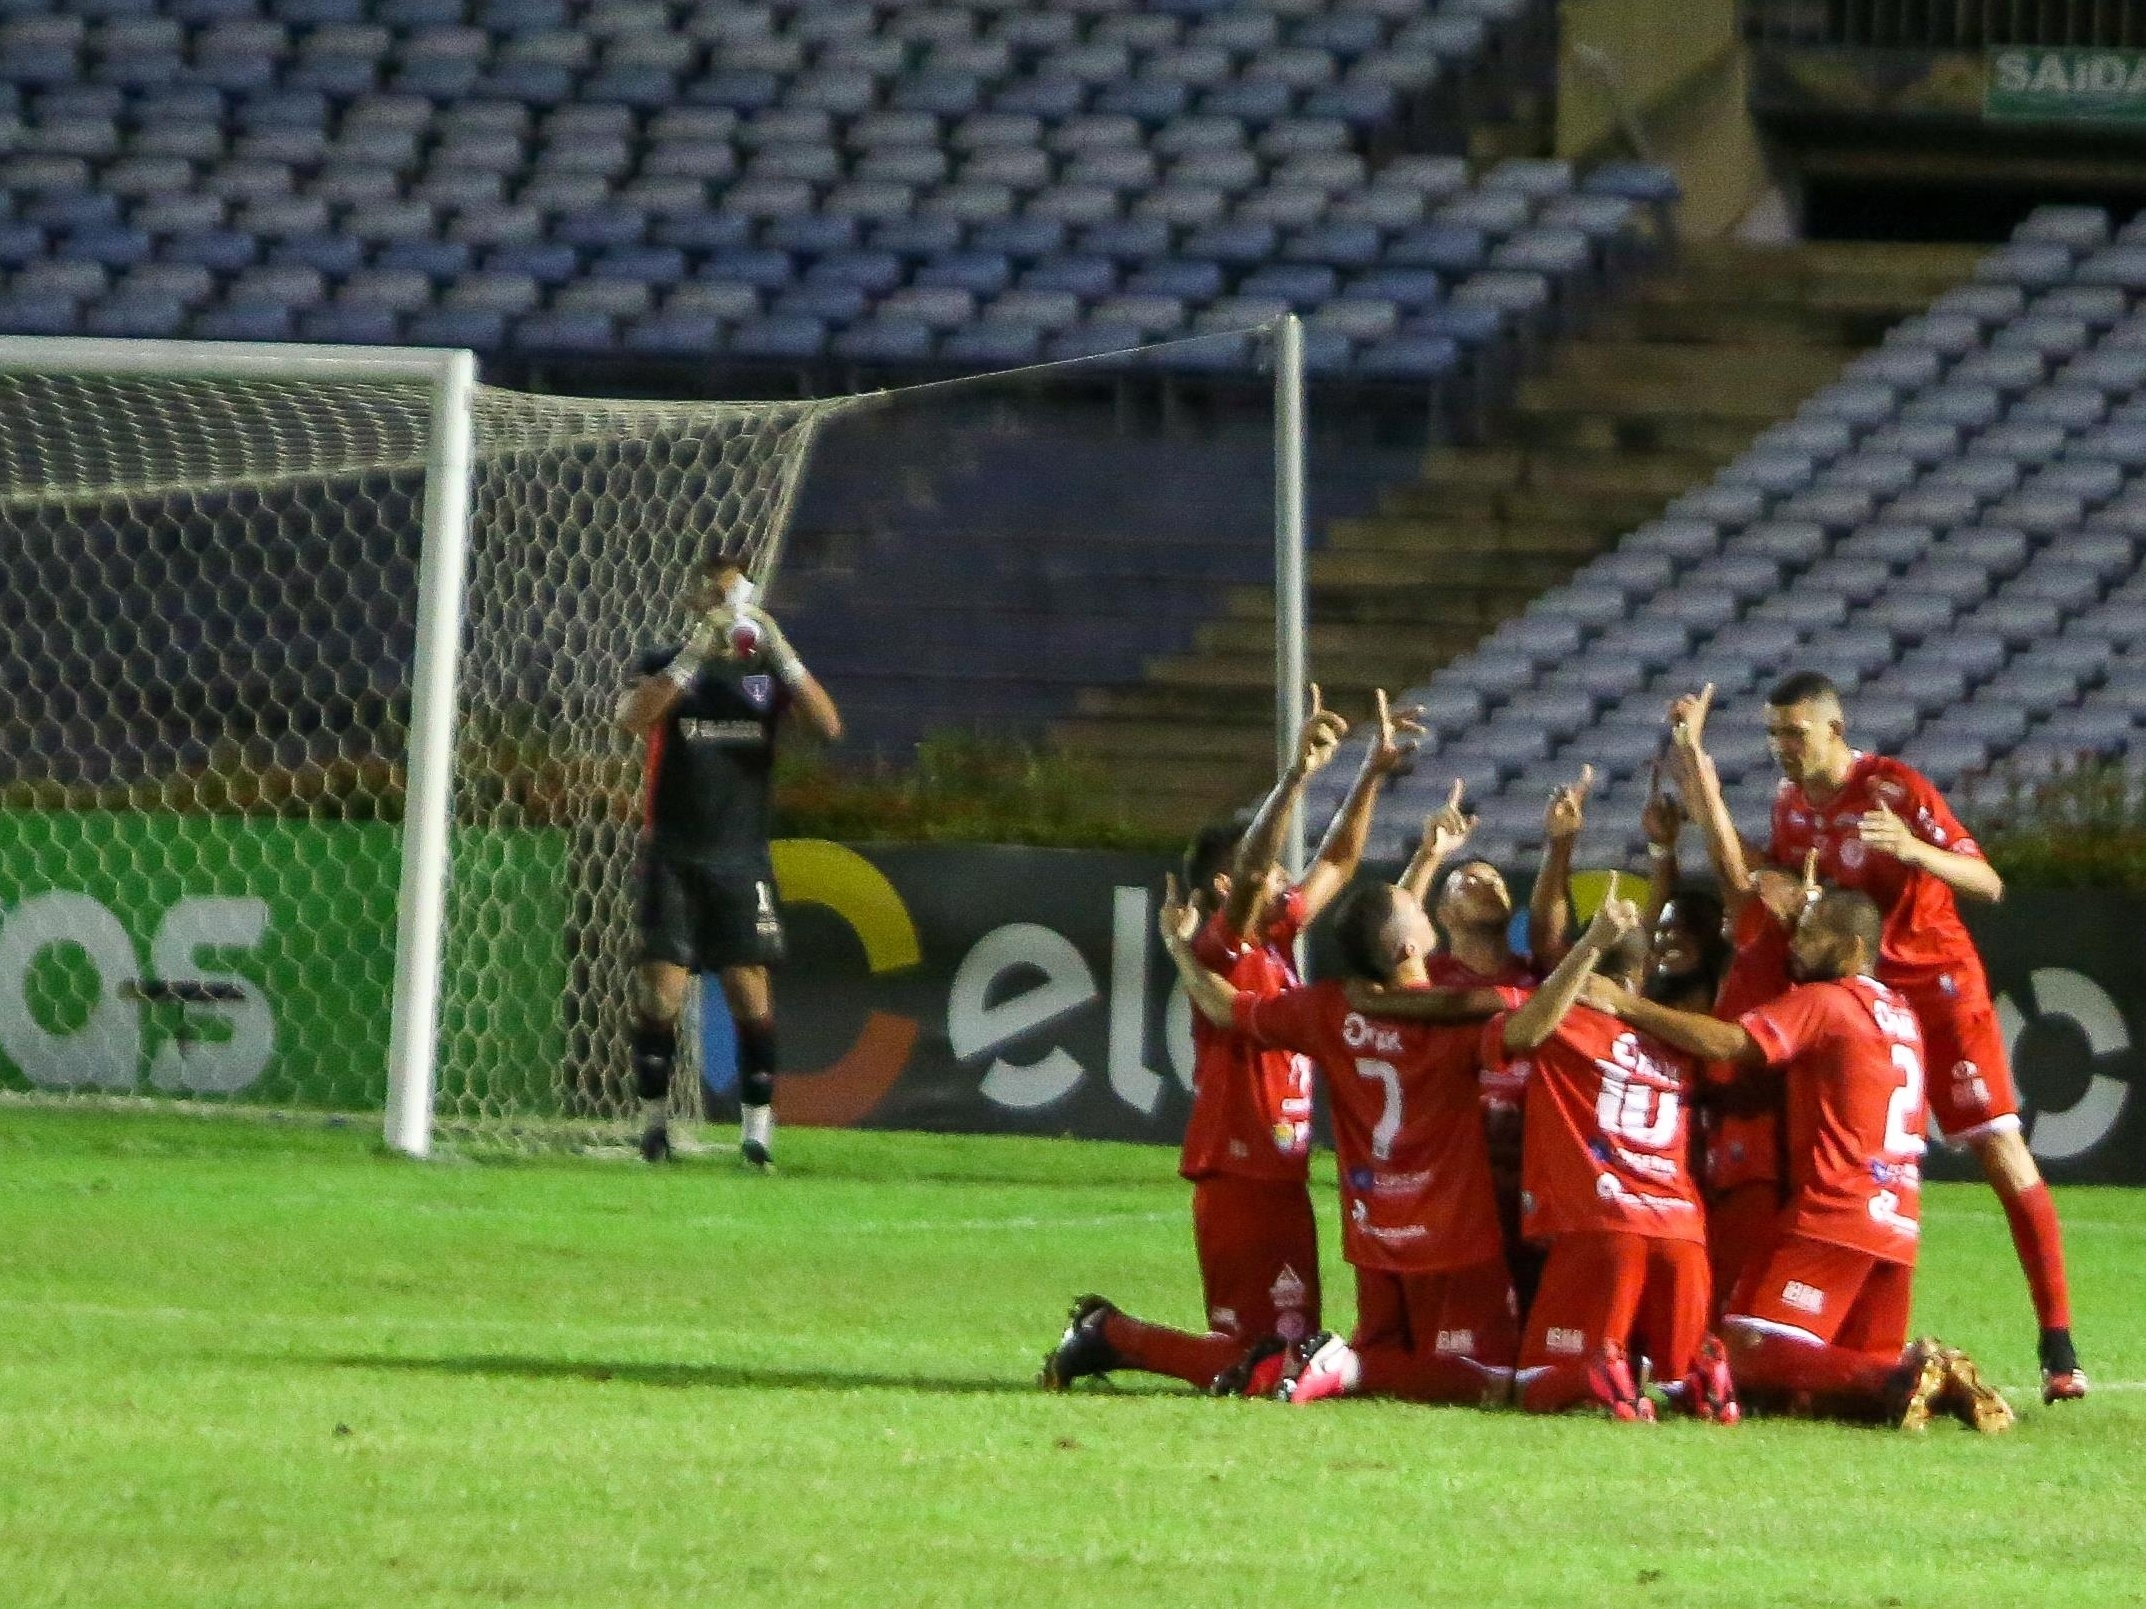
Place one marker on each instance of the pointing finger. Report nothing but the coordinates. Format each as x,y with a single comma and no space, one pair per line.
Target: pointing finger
1587,780
1453,799
1315,698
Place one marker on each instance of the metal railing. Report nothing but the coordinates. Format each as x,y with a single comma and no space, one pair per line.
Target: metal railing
1945,24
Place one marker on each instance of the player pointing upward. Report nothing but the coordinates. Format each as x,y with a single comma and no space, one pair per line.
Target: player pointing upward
708,713
1880,827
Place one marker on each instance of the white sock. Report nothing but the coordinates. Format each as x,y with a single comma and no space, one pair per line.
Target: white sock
655,1114
756,1125
1341,1359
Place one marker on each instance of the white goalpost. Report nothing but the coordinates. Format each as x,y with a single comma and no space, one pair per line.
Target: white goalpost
310,657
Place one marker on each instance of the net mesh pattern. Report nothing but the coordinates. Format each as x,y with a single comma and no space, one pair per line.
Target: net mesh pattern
207,629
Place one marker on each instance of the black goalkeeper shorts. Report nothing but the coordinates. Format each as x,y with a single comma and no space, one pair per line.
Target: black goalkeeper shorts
705,918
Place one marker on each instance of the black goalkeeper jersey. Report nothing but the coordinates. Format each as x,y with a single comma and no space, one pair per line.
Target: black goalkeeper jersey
711,761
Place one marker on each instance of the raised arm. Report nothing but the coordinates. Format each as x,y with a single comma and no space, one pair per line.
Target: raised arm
805,690
1545,1009
1341,851
1696,779
1444,831
1211,994
647,701
1550,904
1321,735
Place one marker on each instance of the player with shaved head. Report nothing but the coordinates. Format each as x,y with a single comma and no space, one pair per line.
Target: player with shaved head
1822,1327
1880,827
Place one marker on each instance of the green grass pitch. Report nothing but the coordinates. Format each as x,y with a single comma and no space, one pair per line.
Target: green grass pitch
263,1364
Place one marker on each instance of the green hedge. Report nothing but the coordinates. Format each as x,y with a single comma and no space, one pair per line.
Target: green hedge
2084,828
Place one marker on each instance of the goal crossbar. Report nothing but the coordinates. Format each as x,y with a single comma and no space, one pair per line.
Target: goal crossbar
452,458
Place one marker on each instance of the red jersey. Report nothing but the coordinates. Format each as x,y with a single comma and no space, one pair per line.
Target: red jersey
1925,940
1608,1143
1415,1174
1251,1108
1502,1088
1853,1051
1745,1147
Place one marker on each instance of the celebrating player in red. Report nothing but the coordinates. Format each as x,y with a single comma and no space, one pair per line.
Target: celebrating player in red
1743,1174
1248,1140
1607,1186
1436,1318
1825,1323
1879,826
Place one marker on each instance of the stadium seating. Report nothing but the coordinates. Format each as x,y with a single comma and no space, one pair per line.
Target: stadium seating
791,183
1952,531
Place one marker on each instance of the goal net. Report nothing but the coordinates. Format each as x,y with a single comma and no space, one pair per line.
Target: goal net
223,575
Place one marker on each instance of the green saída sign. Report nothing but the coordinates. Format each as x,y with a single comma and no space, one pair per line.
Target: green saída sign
250,957
2066,86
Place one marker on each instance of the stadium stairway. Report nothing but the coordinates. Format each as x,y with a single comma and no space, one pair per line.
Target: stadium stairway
1667,383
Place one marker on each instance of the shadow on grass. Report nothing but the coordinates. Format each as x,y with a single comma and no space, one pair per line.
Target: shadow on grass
704,1376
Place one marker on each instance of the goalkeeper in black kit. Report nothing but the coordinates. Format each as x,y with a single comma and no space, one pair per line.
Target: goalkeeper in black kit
708,712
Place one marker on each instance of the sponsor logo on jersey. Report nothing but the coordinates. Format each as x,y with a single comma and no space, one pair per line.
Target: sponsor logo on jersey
1357,1034
1567,1343
1848,820
1803,1298
1400,1184
1906,1175
695,730
1459,1343
759,690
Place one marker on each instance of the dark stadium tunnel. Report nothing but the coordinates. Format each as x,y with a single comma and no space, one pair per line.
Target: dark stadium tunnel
681,1376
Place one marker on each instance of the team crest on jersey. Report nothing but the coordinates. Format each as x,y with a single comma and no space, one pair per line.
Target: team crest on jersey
759,690
1851,852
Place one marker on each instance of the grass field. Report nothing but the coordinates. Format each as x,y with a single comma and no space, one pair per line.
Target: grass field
249,1364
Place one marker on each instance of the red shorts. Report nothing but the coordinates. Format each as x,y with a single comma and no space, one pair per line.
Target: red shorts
1969,1075
1652,1296
1462,1313
1259,1256
1741,1226
1833,1295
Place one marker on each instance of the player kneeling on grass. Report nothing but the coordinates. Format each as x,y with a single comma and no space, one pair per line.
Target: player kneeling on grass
1825,1325
1248,1143
708,713
1606,1185
1436,1319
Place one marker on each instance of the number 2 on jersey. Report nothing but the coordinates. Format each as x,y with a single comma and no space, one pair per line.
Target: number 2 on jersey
1389,1123
1906,1101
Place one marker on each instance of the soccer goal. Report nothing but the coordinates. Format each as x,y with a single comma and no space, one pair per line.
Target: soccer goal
310,789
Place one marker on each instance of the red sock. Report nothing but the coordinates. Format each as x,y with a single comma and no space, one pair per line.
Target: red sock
1392,1371
2039,1240
1553,1387
1158,1349
1771,1364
